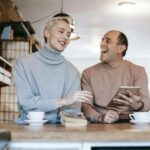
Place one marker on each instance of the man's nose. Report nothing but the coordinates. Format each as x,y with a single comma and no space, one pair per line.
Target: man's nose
103,42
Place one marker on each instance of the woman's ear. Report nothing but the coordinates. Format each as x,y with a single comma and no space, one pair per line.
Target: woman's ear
46,33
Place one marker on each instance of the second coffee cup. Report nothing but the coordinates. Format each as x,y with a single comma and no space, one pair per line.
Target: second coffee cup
140,116
35,115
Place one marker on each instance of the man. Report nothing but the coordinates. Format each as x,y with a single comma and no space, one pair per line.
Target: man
105,78
45,80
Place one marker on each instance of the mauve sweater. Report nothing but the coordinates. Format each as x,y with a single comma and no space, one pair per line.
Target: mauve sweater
41,79
104,82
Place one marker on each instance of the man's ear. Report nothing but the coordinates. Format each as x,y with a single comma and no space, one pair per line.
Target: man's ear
122,48
46,33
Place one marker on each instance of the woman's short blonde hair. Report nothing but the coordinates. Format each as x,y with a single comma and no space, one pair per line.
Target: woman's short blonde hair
52,21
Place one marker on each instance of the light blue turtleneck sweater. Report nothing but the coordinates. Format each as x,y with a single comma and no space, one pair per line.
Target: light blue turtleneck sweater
42,78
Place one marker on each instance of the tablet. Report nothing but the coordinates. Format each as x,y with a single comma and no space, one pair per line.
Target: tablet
134,89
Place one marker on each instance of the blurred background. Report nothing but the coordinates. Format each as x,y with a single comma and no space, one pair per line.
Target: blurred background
92,18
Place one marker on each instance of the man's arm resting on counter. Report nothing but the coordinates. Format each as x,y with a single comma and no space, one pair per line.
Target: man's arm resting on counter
91,114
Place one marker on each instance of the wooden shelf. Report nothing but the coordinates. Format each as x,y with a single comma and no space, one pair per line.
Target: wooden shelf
5,80
20,28
5,63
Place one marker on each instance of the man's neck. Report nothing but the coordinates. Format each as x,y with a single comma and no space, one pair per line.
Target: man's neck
114,64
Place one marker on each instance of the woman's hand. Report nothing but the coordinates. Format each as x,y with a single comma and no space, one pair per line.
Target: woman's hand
78,96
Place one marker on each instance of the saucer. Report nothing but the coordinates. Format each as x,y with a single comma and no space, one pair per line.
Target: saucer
36,122
139,122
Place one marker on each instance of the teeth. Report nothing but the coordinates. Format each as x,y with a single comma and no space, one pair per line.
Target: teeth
104,50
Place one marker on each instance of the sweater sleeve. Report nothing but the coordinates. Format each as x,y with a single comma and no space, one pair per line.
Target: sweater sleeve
140,79
26,97
89,111
70,89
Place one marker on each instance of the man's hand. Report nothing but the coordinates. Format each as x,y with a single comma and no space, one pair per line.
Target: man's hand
131,100
111,116
78,96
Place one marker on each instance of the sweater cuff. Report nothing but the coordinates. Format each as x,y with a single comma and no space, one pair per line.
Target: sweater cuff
141,105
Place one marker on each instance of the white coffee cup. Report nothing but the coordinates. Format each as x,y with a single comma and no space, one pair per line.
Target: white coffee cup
140,116
35,115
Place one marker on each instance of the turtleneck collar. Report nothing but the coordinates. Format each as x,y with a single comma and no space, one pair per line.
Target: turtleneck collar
50,56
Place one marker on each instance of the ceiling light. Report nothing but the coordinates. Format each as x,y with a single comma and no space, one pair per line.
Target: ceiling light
127,4
74,36
127,7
